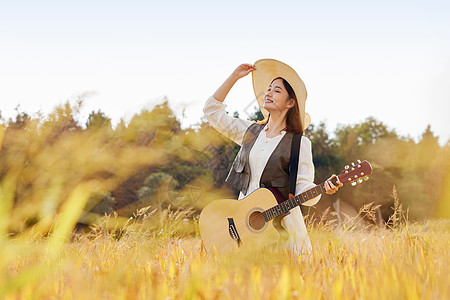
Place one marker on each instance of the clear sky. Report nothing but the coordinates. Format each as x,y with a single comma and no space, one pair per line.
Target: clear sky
387,59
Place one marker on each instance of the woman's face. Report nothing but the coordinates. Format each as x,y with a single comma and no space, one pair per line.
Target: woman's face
276,99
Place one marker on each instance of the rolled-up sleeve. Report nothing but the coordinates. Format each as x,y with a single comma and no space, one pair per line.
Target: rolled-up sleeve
305,173
232,128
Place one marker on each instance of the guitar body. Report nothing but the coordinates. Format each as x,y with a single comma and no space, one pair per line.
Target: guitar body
228,224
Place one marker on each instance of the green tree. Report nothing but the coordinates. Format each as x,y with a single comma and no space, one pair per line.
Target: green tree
326,157
256,115
155,126
98,120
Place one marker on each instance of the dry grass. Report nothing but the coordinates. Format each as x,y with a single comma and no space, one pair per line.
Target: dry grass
410,262
47,180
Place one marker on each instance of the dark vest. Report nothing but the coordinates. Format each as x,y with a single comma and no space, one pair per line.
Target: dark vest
276,172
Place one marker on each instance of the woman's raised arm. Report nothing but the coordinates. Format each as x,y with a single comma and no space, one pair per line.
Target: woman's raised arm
214,109
241,71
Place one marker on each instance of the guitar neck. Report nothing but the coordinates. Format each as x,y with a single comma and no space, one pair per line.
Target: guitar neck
293,202
351,175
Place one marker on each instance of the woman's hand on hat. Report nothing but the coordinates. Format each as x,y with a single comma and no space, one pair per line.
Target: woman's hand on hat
330,188
243,70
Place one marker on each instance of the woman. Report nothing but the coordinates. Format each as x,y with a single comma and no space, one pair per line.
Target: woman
265,146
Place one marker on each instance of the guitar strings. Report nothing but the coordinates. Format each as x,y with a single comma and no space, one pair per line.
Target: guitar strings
319,189
245,222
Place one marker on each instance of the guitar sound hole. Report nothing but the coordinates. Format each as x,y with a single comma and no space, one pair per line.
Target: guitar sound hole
256,220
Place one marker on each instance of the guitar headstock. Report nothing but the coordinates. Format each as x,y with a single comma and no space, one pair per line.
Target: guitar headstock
356,173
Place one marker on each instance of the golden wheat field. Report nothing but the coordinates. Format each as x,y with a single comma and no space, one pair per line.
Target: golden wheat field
54,175
409,262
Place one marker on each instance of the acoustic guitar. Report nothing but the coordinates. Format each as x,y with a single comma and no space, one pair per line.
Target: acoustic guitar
254,221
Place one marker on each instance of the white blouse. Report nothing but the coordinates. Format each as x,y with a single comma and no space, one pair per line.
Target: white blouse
235,128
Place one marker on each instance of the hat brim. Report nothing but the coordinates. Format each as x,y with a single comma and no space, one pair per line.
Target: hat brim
266,70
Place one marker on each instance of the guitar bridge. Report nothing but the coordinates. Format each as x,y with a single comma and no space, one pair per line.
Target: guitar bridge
233,231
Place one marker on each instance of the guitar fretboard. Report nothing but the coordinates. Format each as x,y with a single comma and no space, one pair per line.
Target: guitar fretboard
349,175
289,204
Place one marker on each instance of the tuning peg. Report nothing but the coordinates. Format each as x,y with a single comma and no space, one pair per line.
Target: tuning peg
353,164
353,183
366,178
347,167
360,180
358,161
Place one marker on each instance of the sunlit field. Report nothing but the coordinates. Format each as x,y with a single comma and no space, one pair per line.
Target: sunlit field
410,262
96,212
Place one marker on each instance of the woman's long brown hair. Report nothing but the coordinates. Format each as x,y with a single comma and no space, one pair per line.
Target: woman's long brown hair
293,122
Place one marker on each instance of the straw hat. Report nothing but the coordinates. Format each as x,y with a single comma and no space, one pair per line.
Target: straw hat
269,69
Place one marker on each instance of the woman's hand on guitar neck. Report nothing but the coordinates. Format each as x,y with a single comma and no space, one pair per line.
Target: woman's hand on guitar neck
330,188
